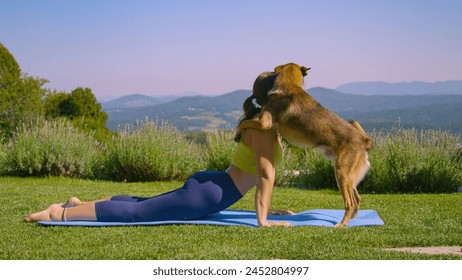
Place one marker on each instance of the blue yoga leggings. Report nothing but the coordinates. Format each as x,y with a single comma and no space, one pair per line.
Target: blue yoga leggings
204,193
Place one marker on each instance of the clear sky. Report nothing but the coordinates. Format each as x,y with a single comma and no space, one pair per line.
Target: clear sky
216,46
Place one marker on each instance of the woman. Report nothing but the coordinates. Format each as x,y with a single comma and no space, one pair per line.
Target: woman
203,193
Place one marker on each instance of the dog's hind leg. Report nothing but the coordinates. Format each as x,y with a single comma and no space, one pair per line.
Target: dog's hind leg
346,174
350,201
362,165
357,199
358,173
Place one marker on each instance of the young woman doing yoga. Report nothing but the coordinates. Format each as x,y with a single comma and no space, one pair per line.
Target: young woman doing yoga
204,193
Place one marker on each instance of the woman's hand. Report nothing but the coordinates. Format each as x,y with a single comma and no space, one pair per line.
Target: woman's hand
280,212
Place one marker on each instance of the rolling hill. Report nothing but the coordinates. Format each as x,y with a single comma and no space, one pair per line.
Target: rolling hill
131,101
194,113
202,113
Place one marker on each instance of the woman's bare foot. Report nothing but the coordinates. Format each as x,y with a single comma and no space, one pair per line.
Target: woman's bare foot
54,212
71,202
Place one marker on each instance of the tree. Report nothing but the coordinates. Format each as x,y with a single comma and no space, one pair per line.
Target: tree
20,95
82,108
84,104
57,104
23,98
9,68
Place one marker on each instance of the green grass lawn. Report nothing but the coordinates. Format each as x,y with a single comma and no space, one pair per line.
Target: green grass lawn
410,220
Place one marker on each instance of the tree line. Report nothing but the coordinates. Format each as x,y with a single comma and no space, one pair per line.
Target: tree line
24,98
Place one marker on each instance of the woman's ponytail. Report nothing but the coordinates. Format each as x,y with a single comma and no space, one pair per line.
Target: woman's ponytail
251,109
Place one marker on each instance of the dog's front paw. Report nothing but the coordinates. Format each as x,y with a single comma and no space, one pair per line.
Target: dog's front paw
340,225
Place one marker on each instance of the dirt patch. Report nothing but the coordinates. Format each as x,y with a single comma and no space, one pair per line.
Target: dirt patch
450,250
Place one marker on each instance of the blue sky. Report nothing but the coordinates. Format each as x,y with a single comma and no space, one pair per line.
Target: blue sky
214,47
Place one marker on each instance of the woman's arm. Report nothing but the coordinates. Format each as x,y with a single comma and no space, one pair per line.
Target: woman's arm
263,142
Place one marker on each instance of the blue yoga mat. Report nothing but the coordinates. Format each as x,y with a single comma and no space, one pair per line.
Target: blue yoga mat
319,217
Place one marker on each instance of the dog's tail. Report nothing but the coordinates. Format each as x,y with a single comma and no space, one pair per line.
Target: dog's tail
367,139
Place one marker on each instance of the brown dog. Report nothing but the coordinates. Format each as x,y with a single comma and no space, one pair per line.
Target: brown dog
303,122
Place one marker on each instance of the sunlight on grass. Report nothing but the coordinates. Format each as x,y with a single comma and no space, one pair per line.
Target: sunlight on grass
410,220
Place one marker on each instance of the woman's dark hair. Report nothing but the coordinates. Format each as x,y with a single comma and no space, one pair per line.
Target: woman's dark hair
252,105
251,109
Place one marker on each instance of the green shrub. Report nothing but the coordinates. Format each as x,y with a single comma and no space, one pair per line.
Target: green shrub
152,151
2,156
411,161
219,149
287,172
52,148
306,168
403,161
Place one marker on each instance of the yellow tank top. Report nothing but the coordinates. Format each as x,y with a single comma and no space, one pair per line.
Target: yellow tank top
244,159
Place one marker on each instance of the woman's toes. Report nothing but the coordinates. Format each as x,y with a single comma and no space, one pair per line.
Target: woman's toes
52,213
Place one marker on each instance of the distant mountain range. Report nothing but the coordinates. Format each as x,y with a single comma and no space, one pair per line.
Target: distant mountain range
374,111
195,113
140,100
404,88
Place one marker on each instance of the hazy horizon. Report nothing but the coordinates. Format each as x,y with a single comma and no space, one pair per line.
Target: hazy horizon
420,88
171,47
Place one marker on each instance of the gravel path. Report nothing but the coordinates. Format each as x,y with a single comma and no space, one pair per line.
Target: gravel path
453,250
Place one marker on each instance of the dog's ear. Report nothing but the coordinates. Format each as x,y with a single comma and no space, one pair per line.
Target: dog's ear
279,68
304,70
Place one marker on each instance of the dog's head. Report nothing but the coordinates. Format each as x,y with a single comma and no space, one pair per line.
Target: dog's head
265,81
303,69
290,74
293,68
